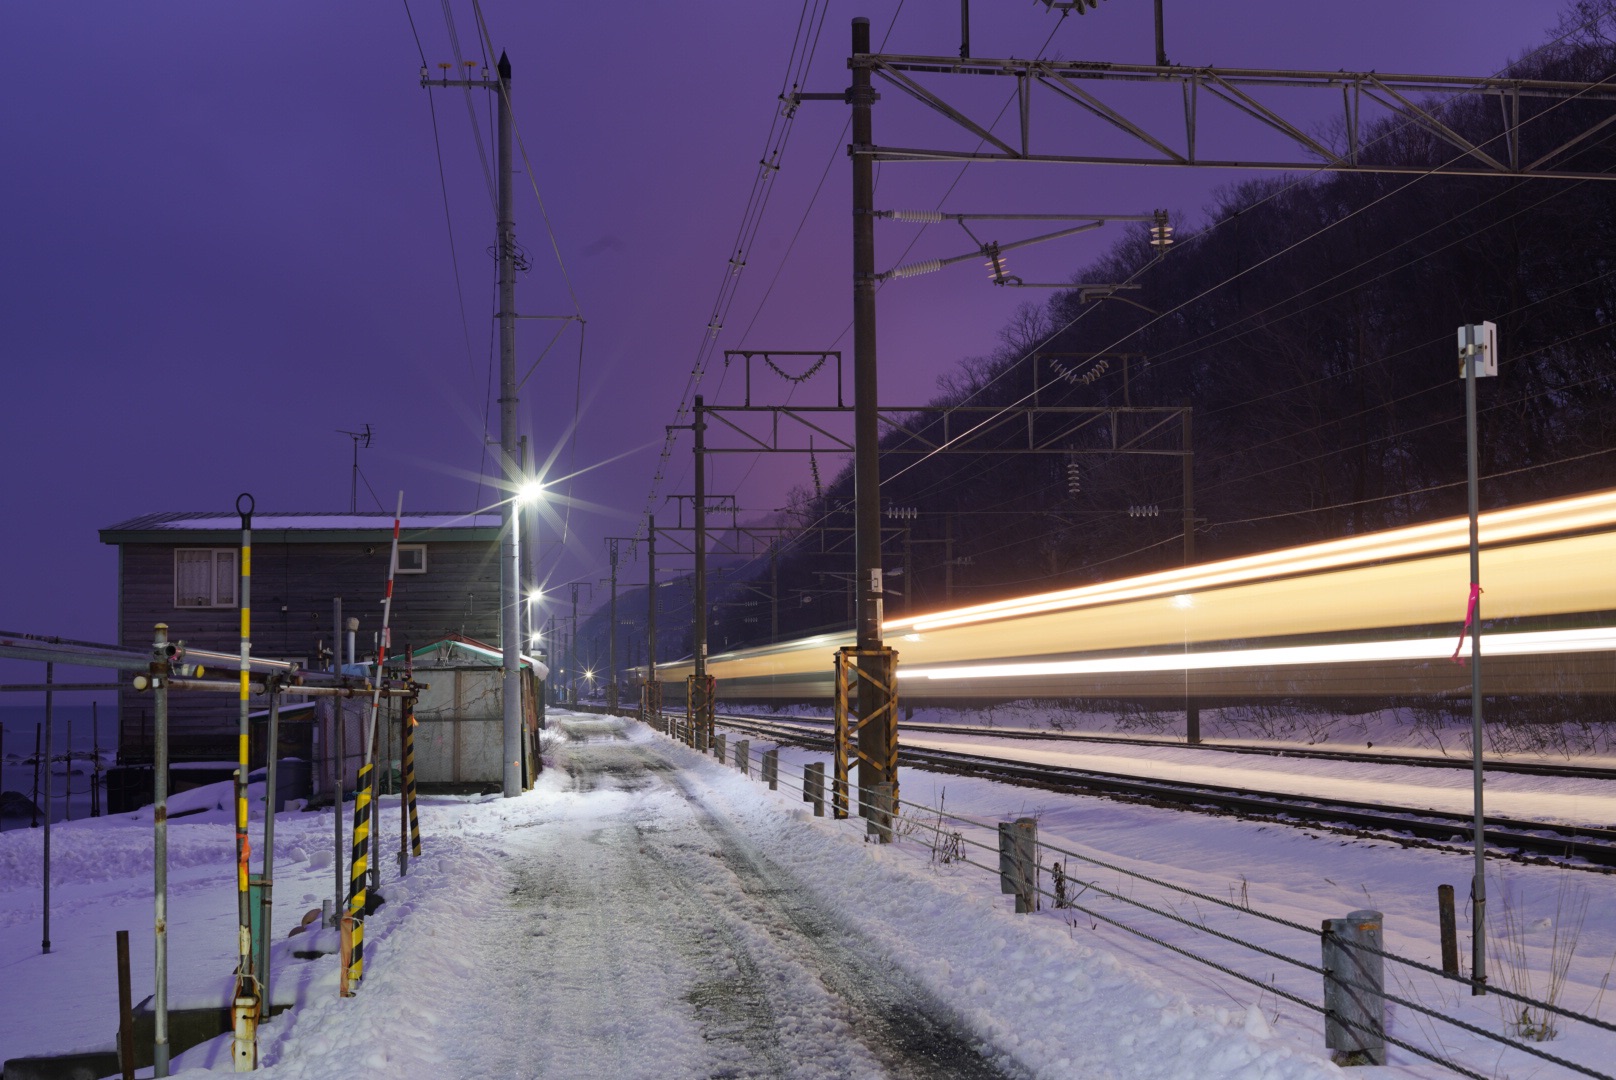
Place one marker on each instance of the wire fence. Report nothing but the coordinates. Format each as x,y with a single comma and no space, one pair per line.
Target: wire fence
955,838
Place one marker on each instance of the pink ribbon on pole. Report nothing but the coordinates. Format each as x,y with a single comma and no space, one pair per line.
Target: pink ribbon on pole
1469,626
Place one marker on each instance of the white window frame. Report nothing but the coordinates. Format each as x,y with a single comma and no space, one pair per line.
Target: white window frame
212,599
402,569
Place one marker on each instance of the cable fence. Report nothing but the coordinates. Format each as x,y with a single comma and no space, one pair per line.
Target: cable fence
1352,998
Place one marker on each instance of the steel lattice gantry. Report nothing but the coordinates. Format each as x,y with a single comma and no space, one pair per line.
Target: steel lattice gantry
1523,145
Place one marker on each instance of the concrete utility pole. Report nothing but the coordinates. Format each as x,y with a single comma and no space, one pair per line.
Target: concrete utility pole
510,566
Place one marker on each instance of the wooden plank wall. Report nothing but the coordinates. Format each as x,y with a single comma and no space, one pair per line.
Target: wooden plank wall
292,588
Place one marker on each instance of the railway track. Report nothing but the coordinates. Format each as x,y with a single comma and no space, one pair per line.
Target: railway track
1586,846
1530,768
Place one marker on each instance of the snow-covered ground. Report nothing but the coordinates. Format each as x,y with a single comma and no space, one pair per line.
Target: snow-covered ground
646,911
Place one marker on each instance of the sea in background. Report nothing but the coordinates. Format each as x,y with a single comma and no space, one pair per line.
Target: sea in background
77,731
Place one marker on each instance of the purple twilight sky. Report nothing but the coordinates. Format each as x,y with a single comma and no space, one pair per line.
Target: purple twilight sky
224,239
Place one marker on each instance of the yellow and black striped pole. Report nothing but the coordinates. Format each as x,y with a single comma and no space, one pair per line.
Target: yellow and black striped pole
409,753
356,879
246,1005
360,862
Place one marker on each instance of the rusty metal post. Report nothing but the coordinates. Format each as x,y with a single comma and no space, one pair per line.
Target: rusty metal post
126,1021
161,651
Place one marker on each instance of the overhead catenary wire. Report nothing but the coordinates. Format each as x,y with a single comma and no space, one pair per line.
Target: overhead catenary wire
1237,275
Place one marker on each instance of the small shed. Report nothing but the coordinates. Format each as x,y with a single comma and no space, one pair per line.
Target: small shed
460,734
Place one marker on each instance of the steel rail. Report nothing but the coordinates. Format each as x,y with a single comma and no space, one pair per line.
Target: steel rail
1531,768
1593,844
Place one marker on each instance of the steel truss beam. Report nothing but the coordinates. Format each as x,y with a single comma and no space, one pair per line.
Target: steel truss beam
1512,151
963,429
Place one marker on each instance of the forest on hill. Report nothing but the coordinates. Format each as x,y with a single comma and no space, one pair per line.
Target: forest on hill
1306,328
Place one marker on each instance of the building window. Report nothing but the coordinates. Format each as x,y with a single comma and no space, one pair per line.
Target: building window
204,577
412,558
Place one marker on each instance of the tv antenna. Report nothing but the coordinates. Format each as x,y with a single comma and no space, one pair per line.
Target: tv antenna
360,438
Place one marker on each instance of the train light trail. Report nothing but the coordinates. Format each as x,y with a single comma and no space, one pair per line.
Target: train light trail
1595,639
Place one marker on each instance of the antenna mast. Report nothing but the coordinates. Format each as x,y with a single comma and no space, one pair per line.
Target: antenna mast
353,480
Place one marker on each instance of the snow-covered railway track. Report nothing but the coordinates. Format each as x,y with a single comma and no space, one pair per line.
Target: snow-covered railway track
1422,761
1587,846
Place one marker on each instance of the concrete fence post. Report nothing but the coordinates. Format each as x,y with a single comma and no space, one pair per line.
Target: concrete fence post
1018,862
771,769
718,746
813,786
1354,984
878,816
743,756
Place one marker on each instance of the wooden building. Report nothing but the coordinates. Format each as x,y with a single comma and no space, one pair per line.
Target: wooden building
182,569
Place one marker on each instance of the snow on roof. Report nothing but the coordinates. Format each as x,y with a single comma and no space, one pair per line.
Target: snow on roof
304,520
467,649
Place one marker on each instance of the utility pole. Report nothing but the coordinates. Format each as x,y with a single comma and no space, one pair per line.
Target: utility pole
653,686
698,693
572,646
510,566
877,666
611,631
510,547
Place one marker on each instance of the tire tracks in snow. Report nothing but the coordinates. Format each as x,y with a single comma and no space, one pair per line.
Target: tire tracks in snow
906,1032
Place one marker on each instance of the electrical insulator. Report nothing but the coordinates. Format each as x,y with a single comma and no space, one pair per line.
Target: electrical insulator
1144,511
930,217
914,269
1161,233
1074,478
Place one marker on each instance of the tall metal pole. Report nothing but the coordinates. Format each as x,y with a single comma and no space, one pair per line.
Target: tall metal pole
50,672
1478,881
572,649
335,753
509,563
611,632
1192,707
266,881
700,598
875,731
651,602
247,1000
160,672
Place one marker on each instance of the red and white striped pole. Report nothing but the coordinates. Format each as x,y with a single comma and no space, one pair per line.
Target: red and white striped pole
367,779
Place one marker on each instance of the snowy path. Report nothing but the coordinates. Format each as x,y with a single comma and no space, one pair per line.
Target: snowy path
668,915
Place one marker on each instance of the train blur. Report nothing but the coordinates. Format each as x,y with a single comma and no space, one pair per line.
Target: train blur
1372,615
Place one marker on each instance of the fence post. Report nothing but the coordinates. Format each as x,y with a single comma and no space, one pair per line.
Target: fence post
1018,862
1354,982
771,769
878,815
126,1023
1450,931
743,756
813,786
718,746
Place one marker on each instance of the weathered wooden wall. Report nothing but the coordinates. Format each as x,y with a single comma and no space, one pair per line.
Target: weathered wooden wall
292,588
